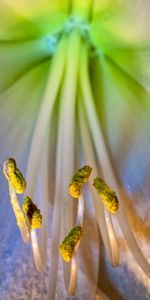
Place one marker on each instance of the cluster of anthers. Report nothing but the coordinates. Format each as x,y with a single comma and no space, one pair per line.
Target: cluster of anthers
29,218
70,245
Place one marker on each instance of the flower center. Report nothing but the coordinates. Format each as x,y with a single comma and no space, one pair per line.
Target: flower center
74,23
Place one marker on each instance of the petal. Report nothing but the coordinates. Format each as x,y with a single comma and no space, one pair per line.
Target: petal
19,106
102,9
135,62
20,20
16,58
122,27
123,105
126,123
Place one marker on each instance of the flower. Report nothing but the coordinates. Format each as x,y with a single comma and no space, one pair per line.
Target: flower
75,89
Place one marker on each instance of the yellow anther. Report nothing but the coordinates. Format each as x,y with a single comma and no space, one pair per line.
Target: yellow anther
67,248
107,195
14,175
79,178
32,212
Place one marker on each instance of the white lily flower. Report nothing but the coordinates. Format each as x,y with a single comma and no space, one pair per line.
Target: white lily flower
75,90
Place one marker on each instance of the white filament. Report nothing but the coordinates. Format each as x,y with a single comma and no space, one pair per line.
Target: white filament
40,250
89,156
112,245
74,264
45,113
39,136
80,213
73,276
23,226
63,219
45,202
36,251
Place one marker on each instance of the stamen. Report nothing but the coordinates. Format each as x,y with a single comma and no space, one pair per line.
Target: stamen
77,181
16,183
71,243
14,175
33,218
41,128
107,195
74,265
105,224
63,219
68,246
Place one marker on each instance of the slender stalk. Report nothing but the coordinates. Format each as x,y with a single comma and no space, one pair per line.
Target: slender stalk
89,157
20,217
49,97
56,223
74,264
112,247
40,250
68,99
36,251
106,166
45,202
73,277
64,160
80,213
99,208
